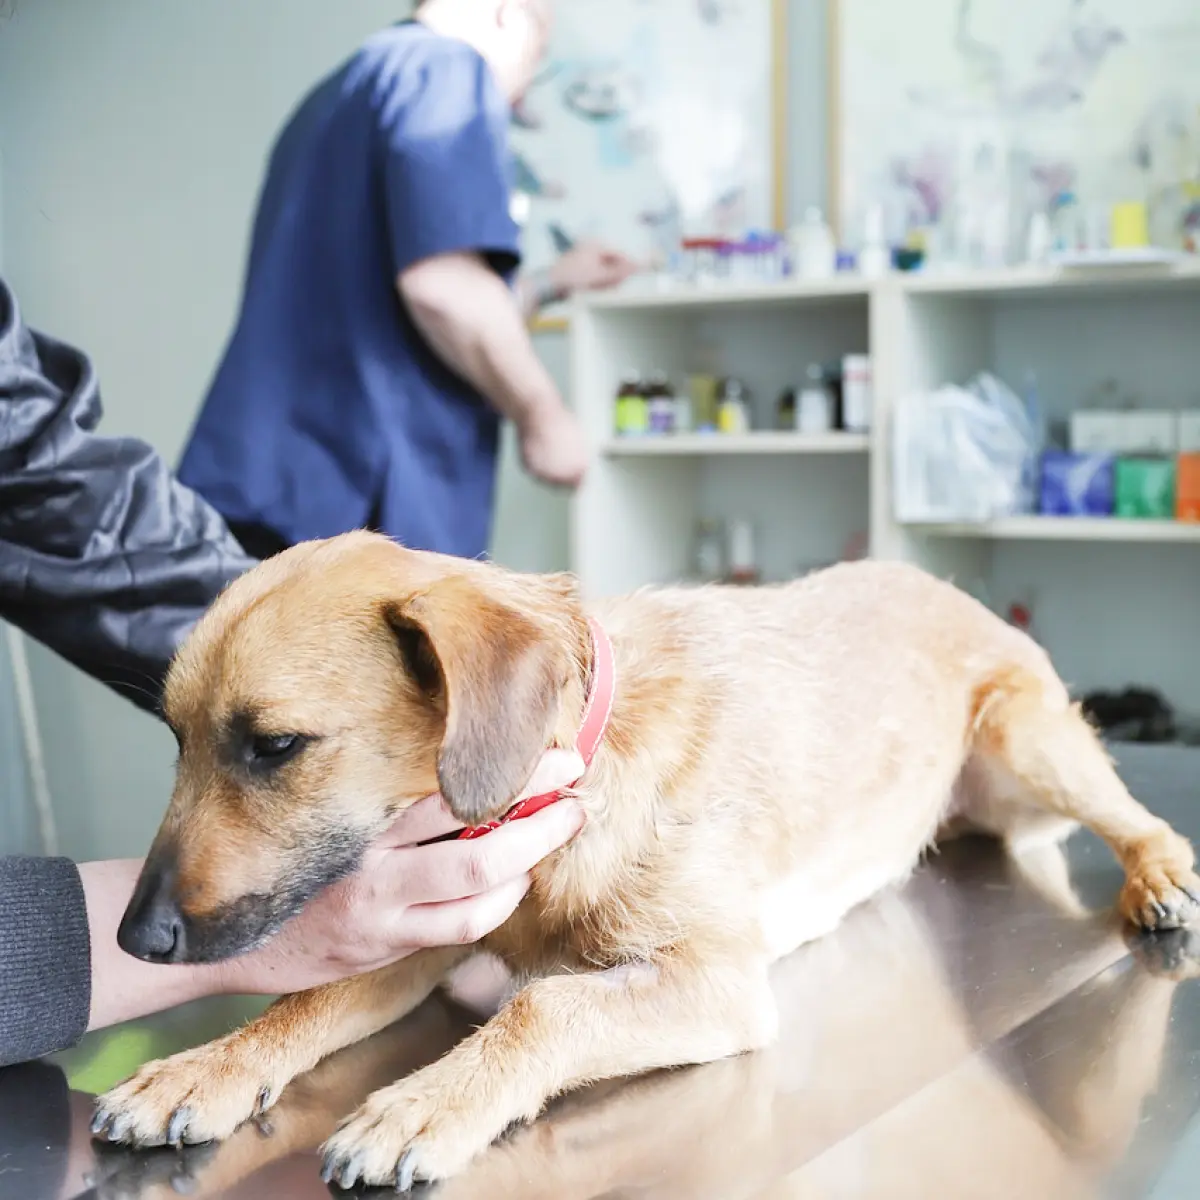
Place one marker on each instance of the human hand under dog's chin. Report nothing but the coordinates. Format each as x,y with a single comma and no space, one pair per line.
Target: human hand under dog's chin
406,896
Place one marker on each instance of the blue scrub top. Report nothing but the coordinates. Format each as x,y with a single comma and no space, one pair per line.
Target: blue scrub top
328,411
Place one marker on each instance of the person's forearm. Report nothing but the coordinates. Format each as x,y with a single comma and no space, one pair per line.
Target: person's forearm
482,336
124,987
536,290
108,559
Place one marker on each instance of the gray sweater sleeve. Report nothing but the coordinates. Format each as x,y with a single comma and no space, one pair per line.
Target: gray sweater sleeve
45,958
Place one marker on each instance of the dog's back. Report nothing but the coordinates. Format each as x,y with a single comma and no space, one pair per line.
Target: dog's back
777,754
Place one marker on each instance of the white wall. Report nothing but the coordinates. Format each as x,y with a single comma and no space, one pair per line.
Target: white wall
132,138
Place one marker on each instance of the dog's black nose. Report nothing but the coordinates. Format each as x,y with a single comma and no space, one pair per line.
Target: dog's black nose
153,928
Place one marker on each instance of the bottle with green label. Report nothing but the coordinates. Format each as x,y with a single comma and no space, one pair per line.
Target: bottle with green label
633,411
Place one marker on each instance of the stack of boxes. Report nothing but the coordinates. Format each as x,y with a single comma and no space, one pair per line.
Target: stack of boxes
1126,464
1187,499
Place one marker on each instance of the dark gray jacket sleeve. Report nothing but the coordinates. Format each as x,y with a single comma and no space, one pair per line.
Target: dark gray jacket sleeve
104,556
45,958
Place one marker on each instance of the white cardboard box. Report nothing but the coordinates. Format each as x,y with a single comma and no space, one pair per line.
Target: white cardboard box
1095,432
1151,432
1141,432
1189,432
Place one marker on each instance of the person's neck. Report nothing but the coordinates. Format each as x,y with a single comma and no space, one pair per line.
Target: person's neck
448,21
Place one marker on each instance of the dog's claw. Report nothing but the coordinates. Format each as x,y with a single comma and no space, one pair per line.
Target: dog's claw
1159,911
100,1120
351,1170
406,1168
119,1128
177,1126
328,1168
264,1100
1192,895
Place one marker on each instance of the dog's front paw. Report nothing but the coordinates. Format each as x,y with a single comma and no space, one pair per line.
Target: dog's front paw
414,1131
1159,897
201,1095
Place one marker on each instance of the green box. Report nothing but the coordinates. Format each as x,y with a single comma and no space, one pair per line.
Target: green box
1145,488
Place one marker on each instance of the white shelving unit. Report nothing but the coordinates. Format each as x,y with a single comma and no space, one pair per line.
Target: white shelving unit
1115,601
697,445
1067,529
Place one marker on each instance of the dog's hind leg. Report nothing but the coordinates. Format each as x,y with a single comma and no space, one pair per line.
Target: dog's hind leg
1028,728
555,1034
203,1095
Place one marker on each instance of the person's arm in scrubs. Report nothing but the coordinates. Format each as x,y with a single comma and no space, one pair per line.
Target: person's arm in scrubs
466,313
108,560
455,246
588,267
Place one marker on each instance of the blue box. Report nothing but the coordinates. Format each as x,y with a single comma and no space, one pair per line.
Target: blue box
1077,485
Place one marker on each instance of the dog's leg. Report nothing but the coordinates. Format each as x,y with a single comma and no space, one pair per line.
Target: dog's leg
203,1095
1053,751
709,1131
555,1034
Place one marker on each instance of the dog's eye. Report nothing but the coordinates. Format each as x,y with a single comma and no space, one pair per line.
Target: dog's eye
272,749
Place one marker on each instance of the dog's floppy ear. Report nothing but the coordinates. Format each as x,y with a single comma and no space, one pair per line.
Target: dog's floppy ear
498,676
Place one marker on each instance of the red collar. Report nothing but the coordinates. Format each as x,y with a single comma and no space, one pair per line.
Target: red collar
596,716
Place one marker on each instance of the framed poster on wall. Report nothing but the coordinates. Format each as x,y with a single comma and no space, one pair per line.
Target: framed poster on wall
652,120
963,117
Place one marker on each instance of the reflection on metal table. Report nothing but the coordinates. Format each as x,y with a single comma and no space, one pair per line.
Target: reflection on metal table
988,1030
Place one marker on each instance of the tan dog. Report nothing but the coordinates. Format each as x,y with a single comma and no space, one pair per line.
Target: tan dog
775,757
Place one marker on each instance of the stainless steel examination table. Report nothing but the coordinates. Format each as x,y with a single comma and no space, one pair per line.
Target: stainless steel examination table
988,1031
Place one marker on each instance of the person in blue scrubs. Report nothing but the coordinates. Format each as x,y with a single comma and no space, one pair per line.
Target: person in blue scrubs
382,335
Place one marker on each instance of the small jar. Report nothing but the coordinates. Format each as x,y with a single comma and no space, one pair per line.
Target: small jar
660,403
743,566
632,416
733,410
814,406
785,411
710,552
684,422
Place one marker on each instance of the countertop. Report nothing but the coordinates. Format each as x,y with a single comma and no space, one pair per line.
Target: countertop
989,1030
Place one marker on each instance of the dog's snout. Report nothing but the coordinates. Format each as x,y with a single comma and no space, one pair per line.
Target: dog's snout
153,928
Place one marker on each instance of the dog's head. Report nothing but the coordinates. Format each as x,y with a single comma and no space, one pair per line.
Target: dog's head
325,691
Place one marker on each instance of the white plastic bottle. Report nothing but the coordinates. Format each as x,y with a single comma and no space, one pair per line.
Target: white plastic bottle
874,259
856,393
814,405
814,253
